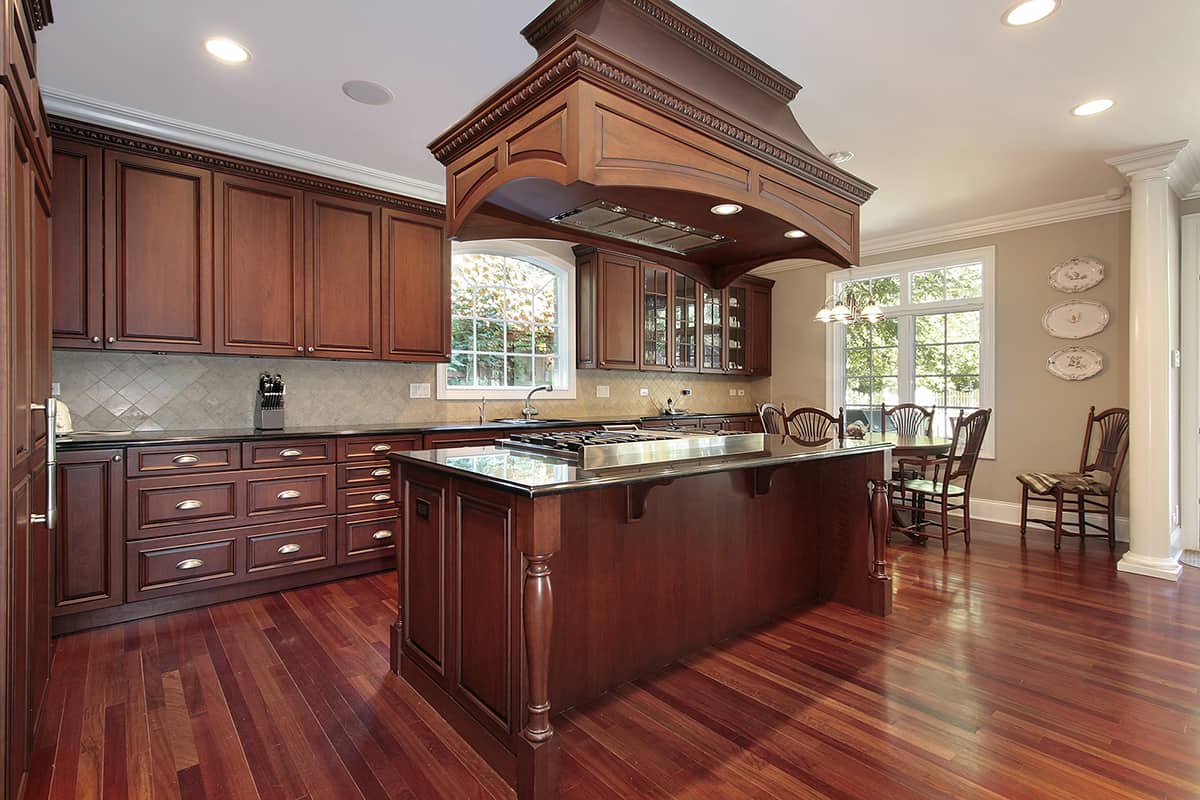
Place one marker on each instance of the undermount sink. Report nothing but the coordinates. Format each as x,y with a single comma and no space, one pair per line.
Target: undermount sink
523,421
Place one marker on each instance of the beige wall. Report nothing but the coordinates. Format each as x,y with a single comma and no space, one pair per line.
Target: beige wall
1038,418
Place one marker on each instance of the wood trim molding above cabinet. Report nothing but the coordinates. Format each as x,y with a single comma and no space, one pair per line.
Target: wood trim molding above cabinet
66,129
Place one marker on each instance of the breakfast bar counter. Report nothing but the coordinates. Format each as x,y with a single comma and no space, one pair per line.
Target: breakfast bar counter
529,584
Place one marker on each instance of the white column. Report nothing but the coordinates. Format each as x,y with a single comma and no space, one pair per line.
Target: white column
1153,466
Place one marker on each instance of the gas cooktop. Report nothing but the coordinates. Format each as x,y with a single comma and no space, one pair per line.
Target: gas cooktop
630,446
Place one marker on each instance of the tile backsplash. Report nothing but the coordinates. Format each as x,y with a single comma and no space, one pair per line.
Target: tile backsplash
144,391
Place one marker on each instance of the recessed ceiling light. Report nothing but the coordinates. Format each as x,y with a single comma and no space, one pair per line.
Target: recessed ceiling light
840,157
1092,107
1029,12
795,234
725,209
227,50
369,92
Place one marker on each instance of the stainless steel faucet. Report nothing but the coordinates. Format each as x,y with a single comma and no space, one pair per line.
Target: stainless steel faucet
529,412
482,410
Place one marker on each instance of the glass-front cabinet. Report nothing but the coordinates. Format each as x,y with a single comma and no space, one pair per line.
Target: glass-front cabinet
656,329
712,330
685,303
736,308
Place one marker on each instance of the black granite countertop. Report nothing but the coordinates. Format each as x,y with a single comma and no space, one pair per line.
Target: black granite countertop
83,441
535,475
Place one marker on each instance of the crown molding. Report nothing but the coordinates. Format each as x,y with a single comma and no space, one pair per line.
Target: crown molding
999,223
112,115
1178,161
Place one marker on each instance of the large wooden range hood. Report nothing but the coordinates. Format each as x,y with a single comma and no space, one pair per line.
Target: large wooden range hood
634,121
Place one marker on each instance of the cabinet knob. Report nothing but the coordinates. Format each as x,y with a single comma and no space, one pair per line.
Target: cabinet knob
117,458
299,349
288,494
95,338
288,549
190,563
310,349
111,339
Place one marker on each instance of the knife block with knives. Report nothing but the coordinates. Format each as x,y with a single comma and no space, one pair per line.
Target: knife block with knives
268,403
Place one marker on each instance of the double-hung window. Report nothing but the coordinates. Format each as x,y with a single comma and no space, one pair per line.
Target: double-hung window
511,318
934,346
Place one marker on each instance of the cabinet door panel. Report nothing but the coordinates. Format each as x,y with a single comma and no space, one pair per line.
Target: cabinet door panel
78,269
88,565
416,295
20,299
712,330
259,268
619,321
758,361
342,278
656,336
158,255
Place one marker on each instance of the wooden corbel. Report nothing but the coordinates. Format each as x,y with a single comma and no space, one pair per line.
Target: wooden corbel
760,480
635,498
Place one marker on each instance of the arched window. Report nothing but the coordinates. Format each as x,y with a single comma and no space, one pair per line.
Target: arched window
509,329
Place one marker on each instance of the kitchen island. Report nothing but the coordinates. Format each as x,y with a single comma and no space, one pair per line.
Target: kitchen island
647,564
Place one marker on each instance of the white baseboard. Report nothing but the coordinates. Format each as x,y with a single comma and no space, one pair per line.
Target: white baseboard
1009,513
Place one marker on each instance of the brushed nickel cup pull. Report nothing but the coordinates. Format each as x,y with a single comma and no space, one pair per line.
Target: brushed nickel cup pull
189,505
188,458
381,448
382,472
381,497
291,452
190,563
381,535
288,494
287,549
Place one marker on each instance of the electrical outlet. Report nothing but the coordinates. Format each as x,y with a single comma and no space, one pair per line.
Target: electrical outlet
418,390
733,392
602,391
55,389
741,392
685,392
644,392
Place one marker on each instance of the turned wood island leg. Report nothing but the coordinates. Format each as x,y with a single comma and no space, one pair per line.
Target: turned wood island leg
881,523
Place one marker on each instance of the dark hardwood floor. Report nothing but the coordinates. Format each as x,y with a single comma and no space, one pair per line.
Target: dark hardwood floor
1005,673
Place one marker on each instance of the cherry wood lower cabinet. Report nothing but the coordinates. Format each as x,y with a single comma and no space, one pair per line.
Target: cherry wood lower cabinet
88,543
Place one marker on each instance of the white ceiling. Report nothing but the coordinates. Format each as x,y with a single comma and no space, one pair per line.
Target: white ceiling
952,115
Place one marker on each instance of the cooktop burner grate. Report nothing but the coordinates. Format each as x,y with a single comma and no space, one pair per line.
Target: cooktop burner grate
632,447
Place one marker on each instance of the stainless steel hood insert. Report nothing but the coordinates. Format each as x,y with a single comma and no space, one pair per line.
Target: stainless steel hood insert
619,222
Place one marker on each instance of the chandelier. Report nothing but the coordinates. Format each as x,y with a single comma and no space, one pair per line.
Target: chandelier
847,308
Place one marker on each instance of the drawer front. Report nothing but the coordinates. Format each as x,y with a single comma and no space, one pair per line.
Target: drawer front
282,452
368,473
368,537
177,564
367,448
290,492
441,441
145,461
291,546
164,505
367,498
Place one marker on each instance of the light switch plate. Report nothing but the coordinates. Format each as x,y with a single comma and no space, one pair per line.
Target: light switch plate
418,390
55,389
644,392
733,392
602,391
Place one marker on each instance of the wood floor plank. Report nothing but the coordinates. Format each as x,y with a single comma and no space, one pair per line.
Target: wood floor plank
1005,672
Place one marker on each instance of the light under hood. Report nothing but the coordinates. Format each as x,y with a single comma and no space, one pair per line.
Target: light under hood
633,122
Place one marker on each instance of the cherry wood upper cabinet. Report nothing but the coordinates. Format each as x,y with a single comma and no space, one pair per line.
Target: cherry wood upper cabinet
258,244
342,278
758,339
158,255
78,271
618,317
416,288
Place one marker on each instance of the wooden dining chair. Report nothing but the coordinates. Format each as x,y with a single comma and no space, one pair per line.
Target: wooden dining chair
772,417
813,426
909,419
938,495
1093,487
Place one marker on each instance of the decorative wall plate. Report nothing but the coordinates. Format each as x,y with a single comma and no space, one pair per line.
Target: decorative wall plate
1075,363
1077,274
1075,319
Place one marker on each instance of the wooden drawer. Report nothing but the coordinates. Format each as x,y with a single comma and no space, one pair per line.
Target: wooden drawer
368,448
368,537
691,424
289,492
367,498
285,452
177,564
368,473
178,504
183,460
439,441
291,546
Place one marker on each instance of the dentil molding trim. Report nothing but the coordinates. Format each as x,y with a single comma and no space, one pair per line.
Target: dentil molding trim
112,115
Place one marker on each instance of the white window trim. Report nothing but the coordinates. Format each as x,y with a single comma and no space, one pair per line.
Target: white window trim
566,324
835,334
